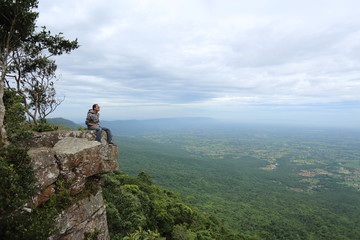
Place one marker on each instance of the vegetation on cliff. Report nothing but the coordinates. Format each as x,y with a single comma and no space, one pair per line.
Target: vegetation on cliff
18,218
26,91
135,205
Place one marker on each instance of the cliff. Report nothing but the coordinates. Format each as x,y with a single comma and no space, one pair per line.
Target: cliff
75,160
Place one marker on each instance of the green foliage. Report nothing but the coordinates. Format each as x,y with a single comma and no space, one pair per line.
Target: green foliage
17,22
16,189
222,172
36,71
37,223
18,129
62,198
134,205
181,232
15,111
17,180
18,221
25,58
141,234
43,126
144,177
92,235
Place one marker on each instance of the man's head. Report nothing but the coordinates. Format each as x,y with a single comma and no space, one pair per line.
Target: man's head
96,107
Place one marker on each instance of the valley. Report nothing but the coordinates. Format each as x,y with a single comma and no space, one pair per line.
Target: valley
272,183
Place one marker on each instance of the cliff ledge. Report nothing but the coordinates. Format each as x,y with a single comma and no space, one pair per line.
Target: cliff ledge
74,158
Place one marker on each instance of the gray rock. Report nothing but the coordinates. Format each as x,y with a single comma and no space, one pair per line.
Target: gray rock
45,166
87,216
73,156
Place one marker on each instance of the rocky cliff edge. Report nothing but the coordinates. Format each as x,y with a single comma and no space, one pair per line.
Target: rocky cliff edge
73,157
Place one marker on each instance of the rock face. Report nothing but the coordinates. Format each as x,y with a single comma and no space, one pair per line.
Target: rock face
88,216
73,157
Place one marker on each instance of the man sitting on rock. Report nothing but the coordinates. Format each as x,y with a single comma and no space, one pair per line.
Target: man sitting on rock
93,123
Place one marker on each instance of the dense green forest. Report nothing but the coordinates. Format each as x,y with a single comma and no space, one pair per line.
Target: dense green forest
277,183
136,207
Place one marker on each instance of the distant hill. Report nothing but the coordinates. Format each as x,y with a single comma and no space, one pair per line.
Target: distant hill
63,122
133,127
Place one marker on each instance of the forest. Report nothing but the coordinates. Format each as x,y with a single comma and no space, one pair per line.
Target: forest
277,183
137,209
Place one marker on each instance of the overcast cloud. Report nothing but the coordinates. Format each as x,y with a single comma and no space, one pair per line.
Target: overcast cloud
253,61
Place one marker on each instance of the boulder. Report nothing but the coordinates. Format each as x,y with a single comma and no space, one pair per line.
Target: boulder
45,166
49,139
79,158
73,156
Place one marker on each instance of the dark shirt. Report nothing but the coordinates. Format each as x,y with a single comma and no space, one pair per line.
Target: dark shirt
92,117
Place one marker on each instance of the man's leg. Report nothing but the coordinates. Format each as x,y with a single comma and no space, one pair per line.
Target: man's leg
108,134
98,132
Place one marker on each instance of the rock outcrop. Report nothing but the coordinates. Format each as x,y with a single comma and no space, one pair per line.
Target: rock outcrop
88,216
73,157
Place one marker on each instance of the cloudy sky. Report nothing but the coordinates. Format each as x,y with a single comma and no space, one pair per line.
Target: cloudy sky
248,61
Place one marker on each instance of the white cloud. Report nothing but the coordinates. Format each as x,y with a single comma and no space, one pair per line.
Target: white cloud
208,53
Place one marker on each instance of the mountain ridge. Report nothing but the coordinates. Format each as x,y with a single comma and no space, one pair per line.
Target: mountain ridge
63,122
134,126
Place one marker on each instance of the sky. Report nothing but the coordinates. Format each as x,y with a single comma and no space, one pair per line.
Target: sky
258,61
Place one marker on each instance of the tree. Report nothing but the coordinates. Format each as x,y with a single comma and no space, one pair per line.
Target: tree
32,73
15,116
144,177
17,22
25,62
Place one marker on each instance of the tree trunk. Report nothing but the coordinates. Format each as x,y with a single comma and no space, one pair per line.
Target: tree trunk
5,46
2,109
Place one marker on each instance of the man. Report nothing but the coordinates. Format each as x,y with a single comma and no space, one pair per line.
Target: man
93,123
